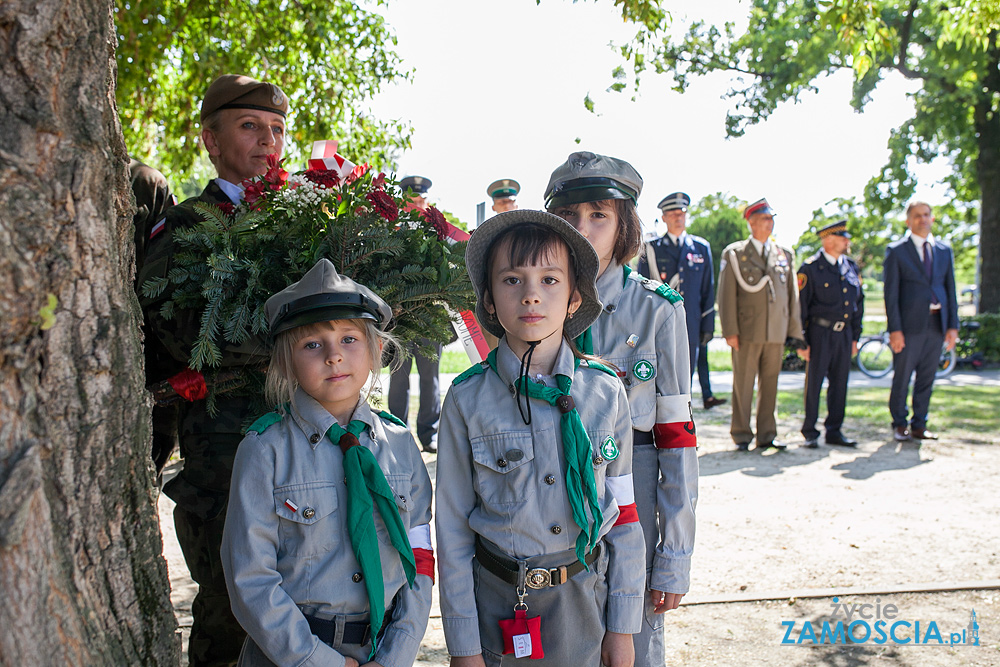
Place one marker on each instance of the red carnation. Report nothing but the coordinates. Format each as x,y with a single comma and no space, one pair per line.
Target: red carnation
384,204
327,178
436,218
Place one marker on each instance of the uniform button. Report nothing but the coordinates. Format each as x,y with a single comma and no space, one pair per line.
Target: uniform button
610,308
502,462
550,479
826,284
512,390
845,290
308,513
846,316
314,438
847,303
356,577
681,280
556,529
598,460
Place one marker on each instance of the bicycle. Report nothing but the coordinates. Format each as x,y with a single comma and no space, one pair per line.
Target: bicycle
875,355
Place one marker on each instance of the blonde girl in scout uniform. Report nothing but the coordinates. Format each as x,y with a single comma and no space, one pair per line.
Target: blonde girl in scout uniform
643,332
538,539
326,549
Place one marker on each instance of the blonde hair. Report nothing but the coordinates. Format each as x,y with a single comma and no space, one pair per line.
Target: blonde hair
281,384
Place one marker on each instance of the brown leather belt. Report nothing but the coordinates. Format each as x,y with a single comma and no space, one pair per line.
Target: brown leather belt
535,577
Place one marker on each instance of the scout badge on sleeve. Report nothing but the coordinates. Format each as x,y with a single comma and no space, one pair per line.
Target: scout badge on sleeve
522,636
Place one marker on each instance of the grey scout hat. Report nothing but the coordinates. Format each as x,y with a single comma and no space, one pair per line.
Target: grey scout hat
477,254
591,177
321,295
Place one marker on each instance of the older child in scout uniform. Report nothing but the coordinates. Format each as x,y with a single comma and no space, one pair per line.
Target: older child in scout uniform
540,548
326,549
642,331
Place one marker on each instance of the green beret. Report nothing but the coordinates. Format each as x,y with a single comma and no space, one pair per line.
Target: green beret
235,91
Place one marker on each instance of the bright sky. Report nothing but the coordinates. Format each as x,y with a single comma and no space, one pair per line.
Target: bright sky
498,89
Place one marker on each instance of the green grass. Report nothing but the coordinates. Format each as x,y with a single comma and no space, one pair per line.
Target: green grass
964,412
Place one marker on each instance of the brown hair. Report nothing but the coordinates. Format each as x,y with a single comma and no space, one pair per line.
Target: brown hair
913,204
280,384
628,243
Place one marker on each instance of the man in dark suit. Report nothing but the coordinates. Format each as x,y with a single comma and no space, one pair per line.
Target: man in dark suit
922,313
684,262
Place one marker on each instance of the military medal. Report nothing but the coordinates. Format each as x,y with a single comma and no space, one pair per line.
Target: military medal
643,370
609,449
632,340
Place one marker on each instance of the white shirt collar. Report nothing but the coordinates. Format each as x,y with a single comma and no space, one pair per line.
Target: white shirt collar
233,191
676,239
758,246
919,242
830,258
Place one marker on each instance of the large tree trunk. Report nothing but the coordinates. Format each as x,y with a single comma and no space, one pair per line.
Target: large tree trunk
986,117
82,579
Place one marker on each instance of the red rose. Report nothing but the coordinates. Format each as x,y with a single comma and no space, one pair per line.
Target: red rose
356,173
384,204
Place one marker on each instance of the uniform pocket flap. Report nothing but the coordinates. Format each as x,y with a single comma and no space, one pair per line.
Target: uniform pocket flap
305,503
400,485
503,452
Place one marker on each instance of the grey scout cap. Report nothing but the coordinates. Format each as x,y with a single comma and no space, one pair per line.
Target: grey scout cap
321,295
585,259
591,177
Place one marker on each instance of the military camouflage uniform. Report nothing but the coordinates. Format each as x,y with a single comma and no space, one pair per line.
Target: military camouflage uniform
208,445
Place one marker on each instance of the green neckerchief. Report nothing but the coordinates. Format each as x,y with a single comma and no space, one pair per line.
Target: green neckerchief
580,483
366,487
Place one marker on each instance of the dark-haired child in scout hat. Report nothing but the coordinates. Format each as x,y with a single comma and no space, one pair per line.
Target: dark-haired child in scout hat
541,552
504,194
643,331
313,575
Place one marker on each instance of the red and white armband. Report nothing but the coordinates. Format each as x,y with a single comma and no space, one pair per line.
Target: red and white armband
423,552
674,427
621,488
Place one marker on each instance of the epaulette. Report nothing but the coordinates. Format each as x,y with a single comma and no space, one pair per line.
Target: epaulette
598,366
389,417
265,421
477,369
667,292
811,259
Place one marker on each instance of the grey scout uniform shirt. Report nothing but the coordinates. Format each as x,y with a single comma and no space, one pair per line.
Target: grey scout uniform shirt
758,301
661,331
278,560
519,501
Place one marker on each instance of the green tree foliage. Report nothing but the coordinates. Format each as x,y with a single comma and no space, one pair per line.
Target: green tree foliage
718,219
328,56
872,232
953,50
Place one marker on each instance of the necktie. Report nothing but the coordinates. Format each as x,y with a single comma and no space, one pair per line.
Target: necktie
580,483
929,269
366,487
763,251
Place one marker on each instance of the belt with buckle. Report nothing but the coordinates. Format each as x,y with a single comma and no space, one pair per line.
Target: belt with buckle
355,632
535,577
839,325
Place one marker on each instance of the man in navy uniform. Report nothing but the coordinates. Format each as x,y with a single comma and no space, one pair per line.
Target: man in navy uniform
504,194
429,411
684,262
922,313
832,304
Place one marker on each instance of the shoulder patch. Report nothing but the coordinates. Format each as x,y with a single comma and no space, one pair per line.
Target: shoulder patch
802,280
264,422
389,417
668,293
477,369
586,363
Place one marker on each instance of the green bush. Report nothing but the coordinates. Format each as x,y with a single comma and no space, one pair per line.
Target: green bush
986,339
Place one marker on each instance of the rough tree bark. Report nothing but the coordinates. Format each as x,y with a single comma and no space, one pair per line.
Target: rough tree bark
82,579
986,116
